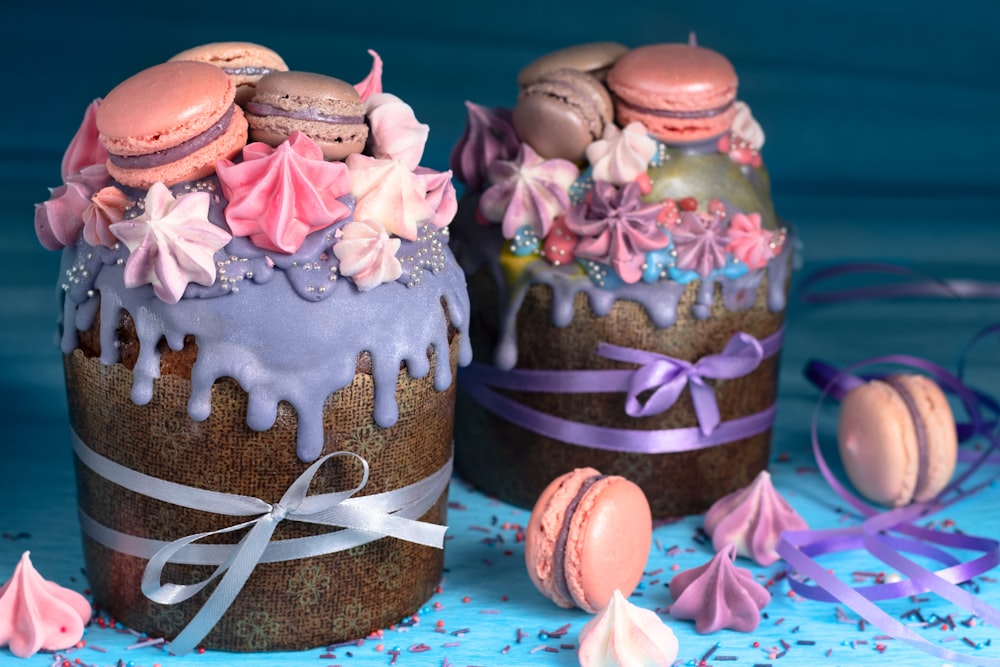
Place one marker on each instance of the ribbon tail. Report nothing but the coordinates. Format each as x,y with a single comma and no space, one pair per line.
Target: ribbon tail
705,405
246,556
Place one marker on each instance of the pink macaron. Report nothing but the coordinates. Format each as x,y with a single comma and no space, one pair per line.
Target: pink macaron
170,123
589,534
897,439
680,92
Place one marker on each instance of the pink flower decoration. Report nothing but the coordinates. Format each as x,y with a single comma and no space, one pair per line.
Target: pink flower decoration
85,149
371,84
489,136
617,228
387,191
718,595
172,243
440,195
278,196
107,206
749,243
559,244
367,254
395,132
527,191
700,242
59,220
669,214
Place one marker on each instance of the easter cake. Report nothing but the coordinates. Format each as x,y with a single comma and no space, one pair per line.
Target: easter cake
628,278
262,322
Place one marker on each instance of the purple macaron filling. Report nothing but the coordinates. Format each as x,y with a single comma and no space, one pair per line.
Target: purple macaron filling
559,566
178,152
258,109
918,426
665,113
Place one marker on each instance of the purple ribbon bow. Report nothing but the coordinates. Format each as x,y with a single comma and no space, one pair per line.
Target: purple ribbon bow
667,377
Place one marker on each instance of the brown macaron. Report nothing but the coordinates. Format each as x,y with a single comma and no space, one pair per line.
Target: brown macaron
562,112
244,62
594,58
329,111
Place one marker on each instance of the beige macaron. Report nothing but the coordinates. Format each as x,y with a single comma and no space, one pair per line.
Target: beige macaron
897,439
244,62
594,58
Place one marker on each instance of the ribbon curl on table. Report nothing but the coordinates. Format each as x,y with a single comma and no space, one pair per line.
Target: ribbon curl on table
364,519
799,548
664,375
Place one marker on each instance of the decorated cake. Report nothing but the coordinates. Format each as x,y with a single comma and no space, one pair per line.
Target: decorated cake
628,277
262,322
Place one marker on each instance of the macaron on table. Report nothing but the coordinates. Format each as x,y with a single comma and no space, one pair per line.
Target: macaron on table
857,166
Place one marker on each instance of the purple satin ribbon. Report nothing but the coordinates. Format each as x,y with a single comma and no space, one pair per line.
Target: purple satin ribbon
918,286
888,535
665,376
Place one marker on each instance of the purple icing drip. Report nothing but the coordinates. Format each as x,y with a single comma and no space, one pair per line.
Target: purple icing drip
259,109
174,153
278,339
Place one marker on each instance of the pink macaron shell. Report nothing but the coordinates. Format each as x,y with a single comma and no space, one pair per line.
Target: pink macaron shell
674,78
543,530
163,106
942,437
608,544
877,441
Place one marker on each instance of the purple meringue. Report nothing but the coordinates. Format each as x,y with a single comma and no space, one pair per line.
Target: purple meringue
489,136
752,519
718,595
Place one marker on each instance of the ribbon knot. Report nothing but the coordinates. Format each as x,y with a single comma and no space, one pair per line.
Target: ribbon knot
667,376
278,512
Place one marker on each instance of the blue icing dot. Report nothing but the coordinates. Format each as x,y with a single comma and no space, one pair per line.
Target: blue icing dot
525,242
600,274
581,186
658,262
660,155
682,276
732,270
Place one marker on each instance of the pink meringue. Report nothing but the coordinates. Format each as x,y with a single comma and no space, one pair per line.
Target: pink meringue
746,127
621,155
751,244
278,196
752,519
59,220
371,84
172,243
388,191
39,615
440,195
718,595
527,191
367,255
85,149
624,635
700,242
396,134
107,206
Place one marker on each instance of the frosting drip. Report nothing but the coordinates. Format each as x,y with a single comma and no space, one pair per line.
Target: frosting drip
271,361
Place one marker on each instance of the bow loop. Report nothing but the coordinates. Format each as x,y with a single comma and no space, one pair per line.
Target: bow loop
666,377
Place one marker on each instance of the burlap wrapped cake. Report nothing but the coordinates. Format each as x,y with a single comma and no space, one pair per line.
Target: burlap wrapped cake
628,279
263,453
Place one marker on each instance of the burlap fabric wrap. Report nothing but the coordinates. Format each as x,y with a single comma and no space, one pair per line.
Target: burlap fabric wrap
516,464
289,605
